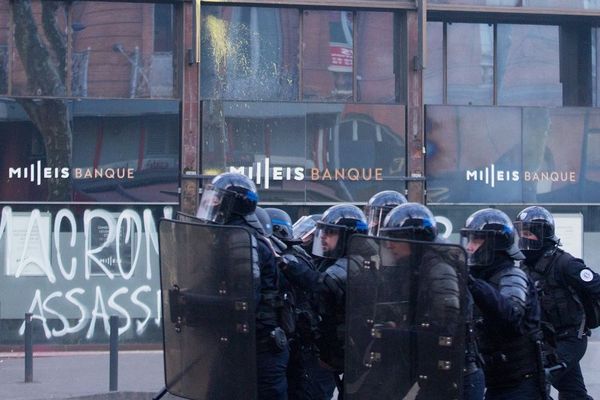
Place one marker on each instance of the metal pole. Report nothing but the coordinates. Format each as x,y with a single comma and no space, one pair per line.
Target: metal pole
28,348
113,382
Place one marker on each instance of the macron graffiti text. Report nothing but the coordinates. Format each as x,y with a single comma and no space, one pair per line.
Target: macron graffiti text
80,275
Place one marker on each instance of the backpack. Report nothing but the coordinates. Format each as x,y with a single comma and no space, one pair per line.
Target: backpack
589,303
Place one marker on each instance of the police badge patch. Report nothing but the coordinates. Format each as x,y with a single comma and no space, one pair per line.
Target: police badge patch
586,275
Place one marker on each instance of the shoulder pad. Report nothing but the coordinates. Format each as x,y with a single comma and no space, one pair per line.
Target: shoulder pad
513,283
338,270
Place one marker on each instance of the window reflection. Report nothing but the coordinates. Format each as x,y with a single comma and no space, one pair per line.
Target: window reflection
556,4
528,70
376,72
512,154
249,53
40,54
121,50
470,63
107,49
115,150
433,75
302,145
328,55
4,32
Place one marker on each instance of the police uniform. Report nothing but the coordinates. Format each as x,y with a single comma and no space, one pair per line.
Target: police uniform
507,318
507,312
560,278
231,199
562,282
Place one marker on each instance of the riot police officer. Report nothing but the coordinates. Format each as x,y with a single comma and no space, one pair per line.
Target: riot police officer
562,280
507,311
306,378
378,206
330,242
437,304
231,199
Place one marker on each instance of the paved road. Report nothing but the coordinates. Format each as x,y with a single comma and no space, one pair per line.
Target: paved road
84,376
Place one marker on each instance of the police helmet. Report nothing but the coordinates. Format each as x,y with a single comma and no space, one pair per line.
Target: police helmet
488,232
536,229
335,228
379,206
265,221
410,221
282,224
230,194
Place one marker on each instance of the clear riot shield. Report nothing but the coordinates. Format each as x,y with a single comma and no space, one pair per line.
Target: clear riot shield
405,320
209,312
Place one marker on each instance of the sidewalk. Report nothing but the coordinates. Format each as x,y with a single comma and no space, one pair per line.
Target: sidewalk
84,375
75,375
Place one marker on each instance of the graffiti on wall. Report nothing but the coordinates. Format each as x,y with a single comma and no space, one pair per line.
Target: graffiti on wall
81,275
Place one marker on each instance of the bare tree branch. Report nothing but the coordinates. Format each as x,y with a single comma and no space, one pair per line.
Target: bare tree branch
50,116
42,75
57,40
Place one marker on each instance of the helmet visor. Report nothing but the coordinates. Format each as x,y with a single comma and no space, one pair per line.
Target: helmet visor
303,228
213,207
375,217
479,246
531,234
329,241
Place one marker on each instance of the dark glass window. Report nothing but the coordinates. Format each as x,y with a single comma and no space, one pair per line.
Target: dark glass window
4,33
505,64
554,4
308,152
328,55
433,75
253,53
376,67
528,66
470,63
112,151
518,155
163,28
109,49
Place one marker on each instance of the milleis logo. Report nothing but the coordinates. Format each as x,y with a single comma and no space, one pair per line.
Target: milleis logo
492,176
263,173
36,173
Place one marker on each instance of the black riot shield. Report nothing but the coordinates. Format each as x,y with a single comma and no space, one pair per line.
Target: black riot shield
405,320
208,305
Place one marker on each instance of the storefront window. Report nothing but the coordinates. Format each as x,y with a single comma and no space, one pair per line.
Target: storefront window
4,33
84,264
433,75
376,62
249,53
470,63
118,51
90,151
528,65
512,155
506,64
109,49
328,55
253,53
307,152
555,4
